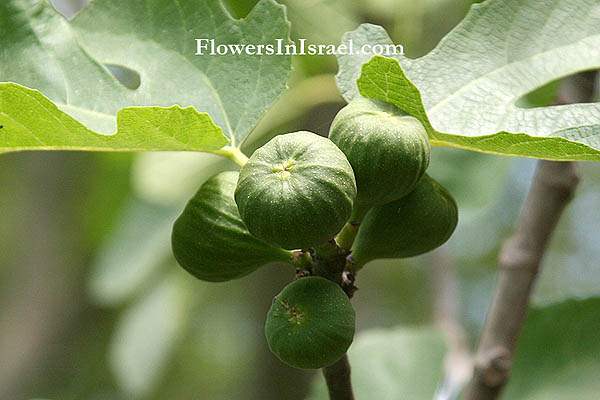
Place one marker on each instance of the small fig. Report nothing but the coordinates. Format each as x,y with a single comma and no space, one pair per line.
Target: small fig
210,240
412,225
387,148
296,191
310,323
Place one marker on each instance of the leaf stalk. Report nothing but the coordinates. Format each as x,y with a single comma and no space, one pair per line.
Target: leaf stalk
233,153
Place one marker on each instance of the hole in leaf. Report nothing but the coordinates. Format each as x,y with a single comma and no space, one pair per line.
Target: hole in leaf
128,77
579,90
239,9
541,96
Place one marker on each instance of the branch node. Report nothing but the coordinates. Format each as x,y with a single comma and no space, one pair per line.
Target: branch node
562,177
513,256
493,367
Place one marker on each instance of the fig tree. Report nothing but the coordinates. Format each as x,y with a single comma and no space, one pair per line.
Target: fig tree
310,323
210,240
296,191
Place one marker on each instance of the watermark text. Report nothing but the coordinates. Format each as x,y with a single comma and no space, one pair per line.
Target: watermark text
283,48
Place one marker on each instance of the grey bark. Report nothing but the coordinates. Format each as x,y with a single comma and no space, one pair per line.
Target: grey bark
521,257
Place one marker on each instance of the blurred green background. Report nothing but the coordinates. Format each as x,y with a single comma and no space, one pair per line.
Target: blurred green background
93,306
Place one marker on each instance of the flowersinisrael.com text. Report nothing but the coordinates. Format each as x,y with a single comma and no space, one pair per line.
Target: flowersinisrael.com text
281,48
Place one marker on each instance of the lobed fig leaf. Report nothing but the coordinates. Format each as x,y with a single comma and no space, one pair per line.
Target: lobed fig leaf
210,240
310,323
296,191
387,148
413,225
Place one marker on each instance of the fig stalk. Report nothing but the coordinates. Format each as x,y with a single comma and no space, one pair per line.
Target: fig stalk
346,237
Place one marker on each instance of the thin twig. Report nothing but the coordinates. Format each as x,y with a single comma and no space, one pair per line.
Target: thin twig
338,381
520,259
459,360
519,262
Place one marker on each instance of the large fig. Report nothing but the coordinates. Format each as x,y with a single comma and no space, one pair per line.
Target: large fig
388,150
296,191
412,225
310,323
210,240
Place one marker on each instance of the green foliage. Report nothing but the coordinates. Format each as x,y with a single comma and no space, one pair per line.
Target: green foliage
210,240
146,334
172,178
32,122
558,355
311,323
392,364
296,191
468,93
388,149
155,39
465,90
141,242
382,73
557,358
410,226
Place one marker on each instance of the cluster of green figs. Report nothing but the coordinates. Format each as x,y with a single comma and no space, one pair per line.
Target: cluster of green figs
297,193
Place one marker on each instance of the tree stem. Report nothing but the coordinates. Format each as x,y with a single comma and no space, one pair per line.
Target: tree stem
338,381
330,263
519,262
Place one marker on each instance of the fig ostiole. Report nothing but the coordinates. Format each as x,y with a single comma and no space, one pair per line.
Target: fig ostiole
387,148
412,225
310,324
210,240
297,191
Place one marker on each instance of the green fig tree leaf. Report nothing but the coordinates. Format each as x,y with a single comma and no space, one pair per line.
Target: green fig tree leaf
466,90
80,104
134,254
147,333
31,121
401,363
558,354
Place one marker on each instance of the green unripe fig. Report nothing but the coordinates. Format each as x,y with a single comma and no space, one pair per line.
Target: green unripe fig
210,240
310,323
387,148
296,191
412,225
